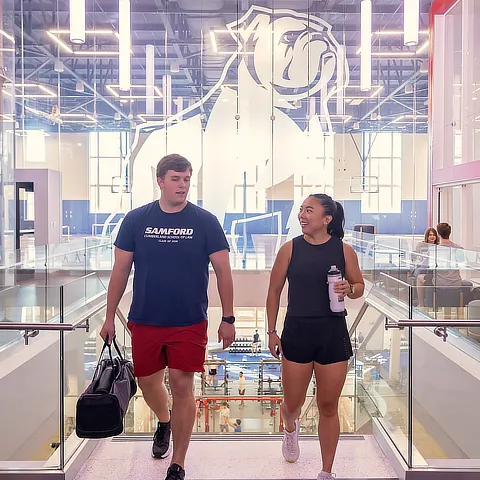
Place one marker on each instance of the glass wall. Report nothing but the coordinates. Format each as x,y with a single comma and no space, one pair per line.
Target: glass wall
7,127
456,117
265,102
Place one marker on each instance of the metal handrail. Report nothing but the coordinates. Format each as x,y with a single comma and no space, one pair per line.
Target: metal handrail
432,323
56,327
31,330
397,280
440,326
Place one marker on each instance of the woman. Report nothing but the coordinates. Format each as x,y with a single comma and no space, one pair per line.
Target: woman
225,418
430,238
314,339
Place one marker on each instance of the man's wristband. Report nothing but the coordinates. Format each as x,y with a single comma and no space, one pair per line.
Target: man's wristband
271,332
230,319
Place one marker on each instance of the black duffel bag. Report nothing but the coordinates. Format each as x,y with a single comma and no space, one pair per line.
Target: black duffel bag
101,409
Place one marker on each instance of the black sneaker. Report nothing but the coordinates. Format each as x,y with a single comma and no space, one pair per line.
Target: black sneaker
162,446
175,472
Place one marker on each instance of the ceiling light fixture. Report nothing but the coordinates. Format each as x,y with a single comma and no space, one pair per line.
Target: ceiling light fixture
77,21
423,47
23,86
7,35
411,18
125,44
113,90
366,45
336,119
78,118
398,32
60,42
412,118
58,66
214,41
215,46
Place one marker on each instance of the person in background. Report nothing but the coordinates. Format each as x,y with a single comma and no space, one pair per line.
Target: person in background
447,274
172,243
225,418
238,426
212,370
423,249
241,387
314,339
255,342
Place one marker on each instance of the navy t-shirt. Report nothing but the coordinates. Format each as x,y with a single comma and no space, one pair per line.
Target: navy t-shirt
171,256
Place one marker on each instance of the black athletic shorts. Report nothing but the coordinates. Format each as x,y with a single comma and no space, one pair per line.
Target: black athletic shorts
323,340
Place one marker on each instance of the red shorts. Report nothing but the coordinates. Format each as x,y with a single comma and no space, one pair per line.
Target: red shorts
181,348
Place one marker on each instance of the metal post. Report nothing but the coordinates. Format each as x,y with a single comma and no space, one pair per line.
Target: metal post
410,399
244,261
62,383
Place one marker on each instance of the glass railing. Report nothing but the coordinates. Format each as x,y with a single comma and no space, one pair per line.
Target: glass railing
414,380
408,257
394,381
40,304
31,264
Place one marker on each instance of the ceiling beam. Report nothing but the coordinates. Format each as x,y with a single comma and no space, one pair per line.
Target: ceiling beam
412,79
31,74
73,74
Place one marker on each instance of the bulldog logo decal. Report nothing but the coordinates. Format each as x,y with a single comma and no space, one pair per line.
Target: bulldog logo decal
282,62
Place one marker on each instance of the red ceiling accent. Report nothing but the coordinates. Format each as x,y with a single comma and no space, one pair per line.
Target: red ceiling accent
441,7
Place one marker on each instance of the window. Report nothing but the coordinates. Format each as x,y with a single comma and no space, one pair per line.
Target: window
384,162
316,173
108,152
255,199
35,146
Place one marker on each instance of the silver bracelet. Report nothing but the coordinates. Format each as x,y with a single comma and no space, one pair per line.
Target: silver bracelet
271,332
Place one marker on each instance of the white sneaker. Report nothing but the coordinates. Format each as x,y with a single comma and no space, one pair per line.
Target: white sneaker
325,476
290,447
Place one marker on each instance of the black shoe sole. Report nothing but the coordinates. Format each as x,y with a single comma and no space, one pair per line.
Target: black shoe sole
165,455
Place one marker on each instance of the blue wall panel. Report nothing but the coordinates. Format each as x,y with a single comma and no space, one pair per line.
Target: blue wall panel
76,214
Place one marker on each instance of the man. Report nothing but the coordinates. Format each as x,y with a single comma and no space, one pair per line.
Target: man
446,273
241,387
172,243
255,342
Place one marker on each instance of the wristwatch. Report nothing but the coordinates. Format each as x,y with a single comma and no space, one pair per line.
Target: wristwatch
230,320
271,332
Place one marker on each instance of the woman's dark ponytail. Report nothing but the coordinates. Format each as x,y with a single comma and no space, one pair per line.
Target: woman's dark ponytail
335,210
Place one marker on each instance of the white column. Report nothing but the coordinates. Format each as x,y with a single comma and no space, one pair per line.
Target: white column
340,80
150,78
468,49
167,95
124,44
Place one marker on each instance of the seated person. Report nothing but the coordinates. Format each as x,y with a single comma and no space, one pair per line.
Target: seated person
446,273
443,263
423,248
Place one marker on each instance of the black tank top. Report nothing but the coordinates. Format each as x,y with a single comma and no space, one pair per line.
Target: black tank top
307,277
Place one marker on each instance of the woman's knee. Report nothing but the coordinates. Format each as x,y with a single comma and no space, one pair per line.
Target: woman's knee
328,408
292,405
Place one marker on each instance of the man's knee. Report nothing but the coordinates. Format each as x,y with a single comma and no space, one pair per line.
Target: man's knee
152,382
181,384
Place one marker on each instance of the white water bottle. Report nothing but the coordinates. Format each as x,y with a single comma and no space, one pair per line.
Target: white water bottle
337,303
